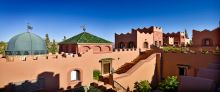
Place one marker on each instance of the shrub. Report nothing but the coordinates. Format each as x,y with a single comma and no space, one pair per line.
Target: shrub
170,84
94,89
142,86
96,74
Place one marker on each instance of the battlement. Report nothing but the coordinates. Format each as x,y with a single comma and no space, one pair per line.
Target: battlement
125,50
62,56
145,30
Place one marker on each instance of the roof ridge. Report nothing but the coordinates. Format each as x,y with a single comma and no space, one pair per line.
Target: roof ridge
80,37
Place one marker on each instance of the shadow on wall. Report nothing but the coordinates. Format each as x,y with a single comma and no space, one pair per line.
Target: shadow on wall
156,78
45,82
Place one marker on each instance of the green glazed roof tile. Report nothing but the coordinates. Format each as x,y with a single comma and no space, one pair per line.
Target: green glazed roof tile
84,37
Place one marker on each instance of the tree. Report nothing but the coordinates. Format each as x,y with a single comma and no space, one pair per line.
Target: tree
3,46
186,34
53,48
64,38
170,84
47,41
142,86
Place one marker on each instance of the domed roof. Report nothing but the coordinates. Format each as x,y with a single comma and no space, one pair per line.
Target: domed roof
26,44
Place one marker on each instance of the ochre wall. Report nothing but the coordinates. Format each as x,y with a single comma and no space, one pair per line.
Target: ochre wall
195,61
28,70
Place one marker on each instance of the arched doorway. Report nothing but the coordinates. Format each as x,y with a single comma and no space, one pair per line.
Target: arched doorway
145,44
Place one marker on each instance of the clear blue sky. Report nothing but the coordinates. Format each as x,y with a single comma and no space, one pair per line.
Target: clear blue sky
103,18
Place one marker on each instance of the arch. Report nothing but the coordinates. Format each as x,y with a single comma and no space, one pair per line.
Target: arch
75,75
97,49
121,45
106,48
207,42
145,44
131,45
85,48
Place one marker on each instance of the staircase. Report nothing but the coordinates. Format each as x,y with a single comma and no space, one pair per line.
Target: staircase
143,55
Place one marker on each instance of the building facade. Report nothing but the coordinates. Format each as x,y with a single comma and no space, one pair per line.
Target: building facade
177,39
140,38
206,39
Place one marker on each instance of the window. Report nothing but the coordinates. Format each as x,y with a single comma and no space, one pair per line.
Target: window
156,44
207,42
121,45
106,68
145,45
131,45
182,71
75,75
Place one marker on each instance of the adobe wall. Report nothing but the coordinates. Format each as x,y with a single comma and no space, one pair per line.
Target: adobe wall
144,70
158,35
195,61
177,37
126,38
28,70
97,48
144,37
198,37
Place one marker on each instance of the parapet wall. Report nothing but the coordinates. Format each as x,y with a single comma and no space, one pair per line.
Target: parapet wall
62,66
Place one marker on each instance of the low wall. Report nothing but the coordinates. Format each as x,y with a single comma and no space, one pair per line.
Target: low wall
195,61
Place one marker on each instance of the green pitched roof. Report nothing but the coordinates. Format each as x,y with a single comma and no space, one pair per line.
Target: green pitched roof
85,37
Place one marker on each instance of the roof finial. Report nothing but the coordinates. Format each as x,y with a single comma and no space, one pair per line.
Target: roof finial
29,27
83,28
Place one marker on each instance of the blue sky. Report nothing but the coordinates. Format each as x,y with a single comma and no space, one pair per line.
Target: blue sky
103,18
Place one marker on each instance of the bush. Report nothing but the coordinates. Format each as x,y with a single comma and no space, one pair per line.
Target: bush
142,86
93,89
170,84
96,74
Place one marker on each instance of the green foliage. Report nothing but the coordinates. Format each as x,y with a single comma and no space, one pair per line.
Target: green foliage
142,86
170,84
53,48
96,74
175,49
3,46
47,41
93,89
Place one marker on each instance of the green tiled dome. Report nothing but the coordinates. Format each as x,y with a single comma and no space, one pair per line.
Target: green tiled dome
26,44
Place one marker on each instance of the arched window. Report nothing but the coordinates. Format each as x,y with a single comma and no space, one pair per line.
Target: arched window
207,42
121,45
131,45
75,75
145,45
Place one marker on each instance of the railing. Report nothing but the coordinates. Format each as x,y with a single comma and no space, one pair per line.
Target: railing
118,85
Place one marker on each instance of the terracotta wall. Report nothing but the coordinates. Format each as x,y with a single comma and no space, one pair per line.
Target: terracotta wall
198,36
27,70
126,38
195,61
97,48
142,38
144,70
